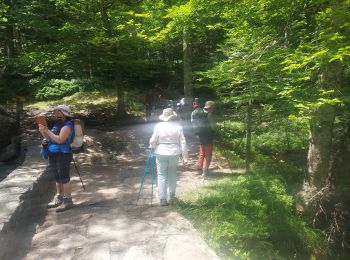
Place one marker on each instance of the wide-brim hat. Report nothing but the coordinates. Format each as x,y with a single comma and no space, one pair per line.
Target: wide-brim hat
168,113
65,110
209,104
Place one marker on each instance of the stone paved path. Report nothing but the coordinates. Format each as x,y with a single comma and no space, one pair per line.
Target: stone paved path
106,223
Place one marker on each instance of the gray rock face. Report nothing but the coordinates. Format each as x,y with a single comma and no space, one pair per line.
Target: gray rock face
8,136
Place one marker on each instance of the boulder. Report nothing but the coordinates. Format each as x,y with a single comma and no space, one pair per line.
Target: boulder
9,132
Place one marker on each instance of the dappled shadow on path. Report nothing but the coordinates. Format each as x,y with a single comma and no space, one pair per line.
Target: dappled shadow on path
105,217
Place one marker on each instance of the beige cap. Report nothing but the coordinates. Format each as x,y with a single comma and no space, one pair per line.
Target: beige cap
209,104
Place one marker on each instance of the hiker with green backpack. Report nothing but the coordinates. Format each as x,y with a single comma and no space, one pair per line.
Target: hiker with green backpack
204,126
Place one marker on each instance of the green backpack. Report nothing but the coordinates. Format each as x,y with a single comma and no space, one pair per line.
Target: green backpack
199,119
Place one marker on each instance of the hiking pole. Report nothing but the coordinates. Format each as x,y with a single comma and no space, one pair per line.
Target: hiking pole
152,174
76,168
149,158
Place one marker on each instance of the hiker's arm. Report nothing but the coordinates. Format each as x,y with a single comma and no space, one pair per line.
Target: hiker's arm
154,139
63,135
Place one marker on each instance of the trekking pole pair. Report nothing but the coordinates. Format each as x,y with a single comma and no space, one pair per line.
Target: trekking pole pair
150,163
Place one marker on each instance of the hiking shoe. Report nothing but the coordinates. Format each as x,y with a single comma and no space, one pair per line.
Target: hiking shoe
57,200
67,204
163,202
199,171
205,173
172,200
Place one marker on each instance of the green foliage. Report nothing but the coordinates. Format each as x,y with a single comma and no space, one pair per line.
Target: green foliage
278,137
44,89
10,88
230,140
252,217
56,88
95,101
271,139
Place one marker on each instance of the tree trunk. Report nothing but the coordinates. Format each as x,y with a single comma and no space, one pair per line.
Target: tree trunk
321,134
188,92
326,192
320,144
105,18
9,40
339,212
120,94
117,71
341,166
248,147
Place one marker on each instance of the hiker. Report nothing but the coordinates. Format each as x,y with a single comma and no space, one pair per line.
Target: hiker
168,142
60,156
198,116
206,132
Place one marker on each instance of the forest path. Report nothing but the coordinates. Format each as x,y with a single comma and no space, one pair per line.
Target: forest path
106,223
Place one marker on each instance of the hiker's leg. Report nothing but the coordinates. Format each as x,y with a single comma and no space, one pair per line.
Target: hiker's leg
208,150
162,173
200,156
64,162
208,155
59,188
67,190
54,171
172,167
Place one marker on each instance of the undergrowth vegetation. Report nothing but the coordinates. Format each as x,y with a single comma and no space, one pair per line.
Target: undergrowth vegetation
95,100
251,217
254,216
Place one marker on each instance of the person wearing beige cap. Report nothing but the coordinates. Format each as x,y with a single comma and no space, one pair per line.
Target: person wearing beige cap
168,142
206,139
60,155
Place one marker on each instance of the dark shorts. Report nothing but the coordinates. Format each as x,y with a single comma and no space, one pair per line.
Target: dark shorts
59,166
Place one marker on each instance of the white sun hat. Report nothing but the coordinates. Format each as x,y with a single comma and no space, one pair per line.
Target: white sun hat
65,110
168,113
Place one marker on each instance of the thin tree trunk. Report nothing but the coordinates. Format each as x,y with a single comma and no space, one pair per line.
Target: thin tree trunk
105,18
118,76
188,92
9,40
120,94
248,148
